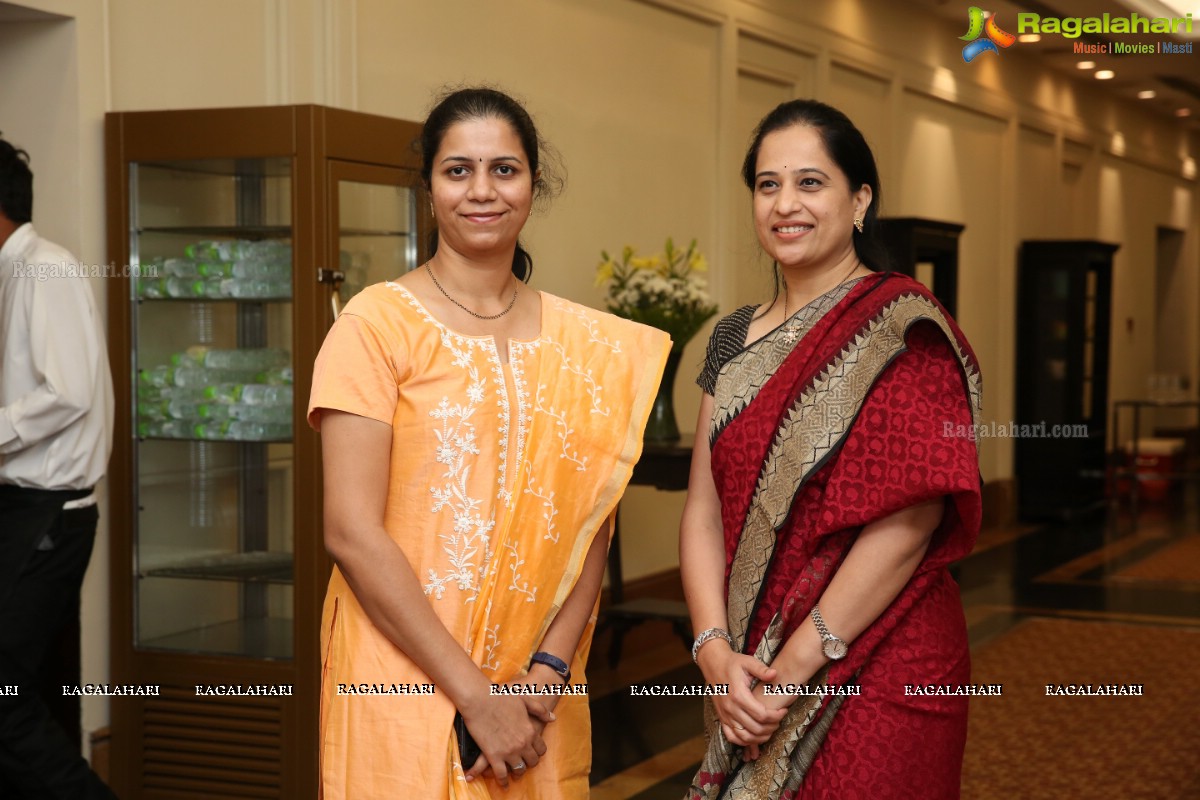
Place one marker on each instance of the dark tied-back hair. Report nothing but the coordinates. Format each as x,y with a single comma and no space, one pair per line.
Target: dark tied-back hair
481,102
849,150
16,184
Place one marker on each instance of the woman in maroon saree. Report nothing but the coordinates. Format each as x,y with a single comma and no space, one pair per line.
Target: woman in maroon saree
834,480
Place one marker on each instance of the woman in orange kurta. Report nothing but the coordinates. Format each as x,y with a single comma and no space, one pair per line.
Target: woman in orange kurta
477,436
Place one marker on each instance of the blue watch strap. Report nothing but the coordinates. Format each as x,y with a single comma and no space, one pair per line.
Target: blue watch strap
553,662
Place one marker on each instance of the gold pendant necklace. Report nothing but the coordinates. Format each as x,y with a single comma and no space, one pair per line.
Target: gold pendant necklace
792,331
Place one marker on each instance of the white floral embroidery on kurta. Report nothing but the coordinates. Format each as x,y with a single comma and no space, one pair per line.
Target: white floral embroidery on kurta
517,350
491,640
563,428
518,585
549,510
467,545
590,322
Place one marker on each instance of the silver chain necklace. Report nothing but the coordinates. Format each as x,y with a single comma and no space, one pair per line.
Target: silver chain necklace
511,303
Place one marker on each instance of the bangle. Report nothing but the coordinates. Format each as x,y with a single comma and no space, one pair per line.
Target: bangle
707,636
553,662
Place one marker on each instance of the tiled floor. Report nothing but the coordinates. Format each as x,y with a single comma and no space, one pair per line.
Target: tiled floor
1100,570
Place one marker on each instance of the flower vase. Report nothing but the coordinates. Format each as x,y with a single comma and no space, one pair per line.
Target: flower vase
662,427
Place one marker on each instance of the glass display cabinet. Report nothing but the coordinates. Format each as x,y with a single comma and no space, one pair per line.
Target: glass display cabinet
245,229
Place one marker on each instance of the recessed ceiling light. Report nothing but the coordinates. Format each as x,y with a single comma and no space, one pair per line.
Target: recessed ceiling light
1029,38
1147,94
1105,74
1183,112
1086,65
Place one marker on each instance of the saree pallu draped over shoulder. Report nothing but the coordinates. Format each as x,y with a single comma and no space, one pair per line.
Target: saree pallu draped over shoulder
501,474
851,411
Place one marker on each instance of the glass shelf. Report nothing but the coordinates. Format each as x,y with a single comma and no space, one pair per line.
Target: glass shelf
258,566
269,637
222,231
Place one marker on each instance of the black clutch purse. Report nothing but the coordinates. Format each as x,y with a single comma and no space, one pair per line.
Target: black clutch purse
468,751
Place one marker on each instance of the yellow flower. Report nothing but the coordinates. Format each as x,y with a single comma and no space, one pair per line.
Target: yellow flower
698,263
604,273
639,262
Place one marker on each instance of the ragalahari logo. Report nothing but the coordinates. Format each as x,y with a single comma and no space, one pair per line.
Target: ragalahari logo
987,27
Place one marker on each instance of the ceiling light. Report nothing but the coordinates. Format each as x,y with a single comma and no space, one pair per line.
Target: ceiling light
1029,38
1183,112
1147,94
1086,65
1105,75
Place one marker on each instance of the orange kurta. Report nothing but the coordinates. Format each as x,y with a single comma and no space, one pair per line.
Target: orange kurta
500,475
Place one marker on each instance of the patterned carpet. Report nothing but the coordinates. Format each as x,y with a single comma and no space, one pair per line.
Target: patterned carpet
1034,747
1178,562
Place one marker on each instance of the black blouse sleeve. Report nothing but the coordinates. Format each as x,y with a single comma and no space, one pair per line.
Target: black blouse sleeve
727,340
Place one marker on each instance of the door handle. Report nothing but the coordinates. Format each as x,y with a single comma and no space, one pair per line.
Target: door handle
334,278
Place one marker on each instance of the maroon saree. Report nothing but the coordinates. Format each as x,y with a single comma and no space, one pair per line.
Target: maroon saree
845,414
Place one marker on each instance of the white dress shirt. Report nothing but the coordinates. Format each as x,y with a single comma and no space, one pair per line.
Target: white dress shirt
56,396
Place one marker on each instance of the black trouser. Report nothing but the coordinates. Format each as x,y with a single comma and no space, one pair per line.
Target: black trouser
44,554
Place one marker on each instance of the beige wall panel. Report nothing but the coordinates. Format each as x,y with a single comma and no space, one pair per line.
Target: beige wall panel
863,98
951,170
768,75
754,280
1133,203
1079,216
39,113
181,54
1038,187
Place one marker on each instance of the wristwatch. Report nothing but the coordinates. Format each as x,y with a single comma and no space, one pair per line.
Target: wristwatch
562,668
833,647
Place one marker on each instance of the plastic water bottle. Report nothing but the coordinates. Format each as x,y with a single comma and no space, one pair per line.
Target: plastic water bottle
215,269
259,431
257,394
181,268
158,376
167,429
272,250
213,429
152,409
253,359
260,269
181,409
265,414
197,409
210,250
179,287
153,288
201,377
223,392
215,411
256,288
276,376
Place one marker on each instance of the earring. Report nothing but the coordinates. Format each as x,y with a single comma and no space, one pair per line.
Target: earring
858,224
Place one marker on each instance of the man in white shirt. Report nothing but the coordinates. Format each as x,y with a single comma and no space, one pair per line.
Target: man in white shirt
56,406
